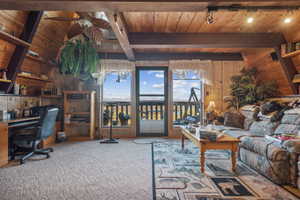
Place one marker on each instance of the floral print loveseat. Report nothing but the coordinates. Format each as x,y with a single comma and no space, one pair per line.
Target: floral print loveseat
278,162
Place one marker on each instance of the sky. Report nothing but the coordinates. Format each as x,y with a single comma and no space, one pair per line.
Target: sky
151,82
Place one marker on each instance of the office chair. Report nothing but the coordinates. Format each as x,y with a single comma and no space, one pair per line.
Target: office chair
34,135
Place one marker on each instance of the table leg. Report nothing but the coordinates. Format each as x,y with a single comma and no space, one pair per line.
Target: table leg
233,158
202,159
182,141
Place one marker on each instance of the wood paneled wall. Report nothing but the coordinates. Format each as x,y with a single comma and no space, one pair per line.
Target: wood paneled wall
47,41
222,71
268,69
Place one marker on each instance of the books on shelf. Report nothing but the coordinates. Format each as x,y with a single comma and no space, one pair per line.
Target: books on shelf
290,49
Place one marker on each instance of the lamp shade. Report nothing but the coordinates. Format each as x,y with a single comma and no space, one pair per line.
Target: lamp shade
211,106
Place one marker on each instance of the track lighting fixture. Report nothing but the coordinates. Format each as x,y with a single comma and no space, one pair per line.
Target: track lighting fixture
209,17
250,20
287,20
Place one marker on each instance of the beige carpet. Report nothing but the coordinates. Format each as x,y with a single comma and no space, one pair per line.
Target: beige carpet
83,171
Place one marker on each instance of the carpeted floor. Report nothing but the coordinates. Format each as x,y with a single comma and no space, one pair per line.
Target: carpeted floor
178,176
93,171
83,171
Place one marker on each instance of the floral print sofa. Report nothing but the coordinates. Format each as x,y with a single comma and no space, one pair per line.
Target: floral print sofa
278,162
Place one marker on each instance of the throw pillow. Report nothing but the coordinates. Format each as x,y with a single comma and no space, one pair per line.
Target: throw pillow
234,119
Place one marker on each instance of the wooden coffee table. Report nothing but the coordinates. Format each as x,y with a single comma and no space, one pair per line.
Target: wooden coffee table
226,142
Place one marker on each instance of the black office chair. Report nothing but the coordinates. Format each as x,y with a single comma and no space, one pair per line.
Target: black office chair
34,135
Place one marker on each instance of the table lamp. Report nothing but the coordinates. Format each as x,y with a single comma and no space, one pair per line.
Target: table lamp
211,106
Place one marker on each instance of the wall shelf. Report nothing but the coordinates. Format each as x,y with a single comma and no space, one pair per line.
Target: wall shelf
78,113
10,38
33,78
291,54
72,126
296,78
35,58
40,60
74,123
4,81
51,96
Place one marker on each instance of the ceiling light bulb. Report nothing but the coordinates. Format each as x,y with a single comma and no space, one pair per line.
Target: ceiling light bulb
250,20
287,20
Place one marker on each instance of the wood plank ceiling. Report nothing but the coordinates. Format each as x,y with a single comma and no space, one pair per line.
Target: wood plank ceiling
224,21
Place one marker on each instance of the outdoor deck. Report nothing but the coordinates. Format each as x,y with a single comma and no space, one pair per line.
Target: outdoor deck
149,110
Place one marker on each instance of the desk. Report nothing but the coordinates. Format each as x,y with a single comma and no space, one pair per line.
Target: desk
226,142
4,134
23,122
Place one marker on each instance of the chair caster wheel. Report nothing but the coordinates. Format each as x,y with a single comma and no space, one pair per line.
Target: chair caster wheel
51,150
48,156
22,162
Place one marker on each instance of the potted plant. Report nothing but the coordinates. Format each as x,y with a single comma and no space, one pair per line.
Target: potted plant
106,117
124,118
247,89
78,58
23,90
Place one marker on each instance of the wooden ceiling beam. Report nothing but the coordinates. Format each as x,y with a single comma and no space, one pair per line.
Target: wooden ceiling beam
118,25
176,56
205,40
110,46
19,55
130,5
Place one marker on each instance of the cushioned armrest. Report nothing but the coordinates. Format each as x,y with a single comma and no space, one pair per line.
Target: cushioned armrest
292,146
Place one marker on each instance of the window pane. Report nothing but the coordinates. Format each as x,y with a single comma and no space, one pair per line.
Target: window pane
116,99
152,81
183,82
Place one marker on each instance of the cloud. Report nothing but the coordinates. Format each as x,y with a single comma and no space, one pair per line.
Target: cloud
158,85
179,83
144,82
195,85
159,75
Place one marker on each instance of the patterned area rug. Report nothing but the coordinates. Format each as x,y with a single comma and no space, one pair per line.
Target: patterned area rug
177,176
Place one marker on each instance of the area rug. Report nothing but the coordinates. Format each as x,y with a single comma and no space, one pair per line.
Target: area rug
177,176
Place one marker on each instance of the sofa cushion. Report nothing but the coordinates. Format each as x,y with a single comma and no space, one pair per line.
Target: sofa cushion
237,133
264,148
247,123
277,171
262,128
291,119
287,128
234,119
248,111
294,111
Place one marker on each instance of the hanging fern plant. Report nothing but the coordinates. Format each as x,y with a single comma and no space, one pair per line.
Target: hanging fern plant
79,58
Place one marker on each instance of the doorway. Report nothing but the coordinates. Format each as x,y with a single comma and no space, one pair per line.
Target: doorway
152,101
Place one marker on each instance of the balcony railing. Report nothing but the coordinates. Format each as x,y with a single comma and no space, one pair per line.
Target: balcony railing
149,110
